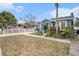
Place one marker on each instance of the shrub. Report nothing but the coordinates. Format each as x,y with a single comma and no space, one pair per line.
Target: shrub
67,33
51,31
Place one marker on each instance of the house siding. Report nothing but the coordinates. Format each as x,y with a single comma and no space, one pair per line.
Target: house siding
69,21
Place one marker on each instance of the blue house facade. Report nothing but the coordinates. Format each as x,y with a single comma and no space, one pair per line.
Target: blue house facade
67,21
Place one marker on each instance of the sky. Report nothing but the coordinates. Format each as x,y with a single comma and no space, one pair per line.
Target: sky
40,10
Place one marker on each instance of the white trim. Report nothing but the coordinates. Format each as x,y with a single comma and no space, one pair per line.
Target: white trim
76,28
65,23
65,19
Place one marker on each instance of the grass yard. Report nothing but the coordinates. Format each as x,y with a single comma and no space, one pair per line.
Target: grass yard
37,33
21,45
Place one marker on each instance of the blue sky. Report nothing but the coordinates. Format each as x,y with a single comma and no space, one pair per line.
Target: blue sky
36,10
39,10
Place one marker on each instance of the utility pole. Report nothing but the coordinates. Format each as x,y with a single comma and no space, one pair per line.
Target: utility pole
57,22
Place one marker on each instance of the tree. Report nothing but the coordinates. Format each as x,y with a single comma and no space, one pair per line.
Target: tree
29,17
2,22
7,19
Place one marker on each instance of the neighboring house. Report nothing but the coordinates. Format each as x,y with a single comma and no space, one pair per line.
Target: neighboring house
28,25
44,25
67,21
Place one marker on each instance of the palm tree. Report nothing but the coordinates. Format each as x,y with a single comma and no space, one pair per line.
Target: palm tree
56,4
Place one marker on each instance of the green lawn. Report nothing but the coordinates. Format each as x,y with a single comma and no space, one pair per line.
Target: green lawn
26,45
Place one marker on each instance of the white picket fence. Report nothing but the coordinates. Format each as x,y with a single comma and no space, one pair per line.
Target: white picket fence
8,31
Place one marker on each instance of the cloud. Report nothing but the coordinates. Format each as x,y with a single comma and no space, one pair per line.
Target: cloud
6,6
44,15
75,11
65,12
61,12
52,13
20,21
10,6
19,8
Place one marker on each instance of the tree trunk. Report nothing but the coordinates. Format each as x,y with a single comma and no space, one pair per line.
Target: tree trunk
57,19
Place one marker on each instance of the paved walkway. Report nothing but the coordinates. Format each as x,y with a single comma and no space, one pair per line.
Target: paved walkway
74,48
0,51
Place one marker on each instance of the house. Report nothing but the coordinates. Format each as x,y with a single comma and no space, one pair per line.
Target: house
44,25
28,25
66,21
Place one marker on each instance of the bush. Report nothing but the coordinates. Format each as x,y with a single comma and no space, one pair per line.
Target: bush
67,33
51,31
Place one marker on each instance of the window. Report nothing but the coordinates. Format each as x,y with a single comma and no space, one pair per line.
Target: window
70,23
62,25
77,23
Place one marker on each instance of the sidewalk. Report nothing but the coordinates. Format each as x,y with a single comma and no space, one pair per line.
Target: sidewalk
74,49
0,51
28,34
10,34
